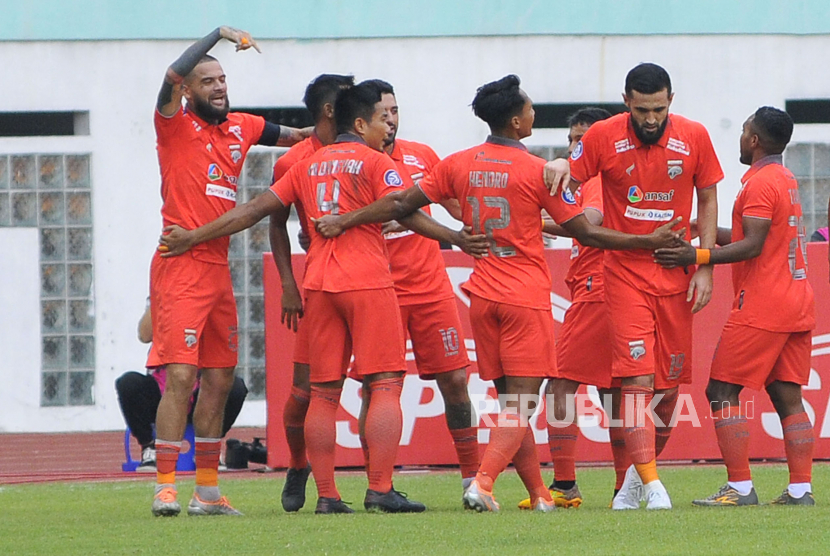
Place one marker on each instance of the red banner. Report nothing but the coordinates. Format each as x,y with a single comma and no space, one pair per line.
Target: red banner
426,441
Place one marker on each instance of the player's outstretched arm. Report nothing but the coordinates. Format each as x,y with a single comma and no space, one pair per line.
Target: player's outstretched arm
423,224
755,234
175,240
549,226
395,206
596,236
292,301
170,96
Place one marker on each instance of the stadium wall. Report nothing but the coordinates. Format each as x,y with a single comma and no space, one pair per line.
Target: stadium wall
719,80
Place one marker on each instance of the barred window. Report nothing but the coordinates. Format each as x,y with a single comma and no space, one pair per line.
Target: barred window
810,164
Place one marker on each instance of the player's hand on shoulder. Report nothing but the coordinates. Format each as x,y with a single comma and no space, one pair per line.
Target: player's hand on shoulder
328,225
475,245
174,240
557,175
242,39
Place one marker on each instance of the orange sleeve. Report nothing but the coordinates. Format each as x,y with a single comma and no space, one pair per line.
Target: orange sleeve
166,128
254,126
587,156
760,199
385,178
430,158
283,164
436,186
708,171
284,188
592,194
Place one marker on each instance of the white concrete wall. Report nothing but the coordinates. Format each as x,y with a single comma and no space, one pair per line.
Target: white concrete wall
719,80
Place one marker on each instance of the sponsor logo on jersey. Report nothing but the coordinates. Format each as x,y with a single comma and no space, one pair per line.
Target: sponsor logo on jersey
675,168
637,349
392,178
677,146
659,196
481,157
629,169
635,194
623,145
190,338
213,190
568,197
651,215
237,131
236,153
412,160
214,172
578,150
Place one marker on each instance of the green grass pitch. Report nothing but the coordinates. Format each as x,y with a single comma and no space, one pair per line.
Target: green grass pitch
114,518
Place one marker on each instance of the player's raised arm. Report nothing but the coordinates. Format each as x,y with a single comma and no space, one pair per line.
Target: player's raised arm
292,302
170,95
175,240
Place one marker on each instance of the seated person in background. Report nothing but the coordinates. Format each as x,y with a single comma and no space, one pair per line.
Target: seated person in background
139,395
820,235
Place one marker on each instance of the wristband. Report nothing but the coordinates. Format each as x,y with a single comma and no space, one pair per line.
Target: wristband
702,256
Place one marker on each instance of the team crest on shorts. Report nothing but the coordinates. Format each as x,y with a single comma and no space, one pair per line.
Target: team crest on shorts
637,349
190,338
233,339
392,179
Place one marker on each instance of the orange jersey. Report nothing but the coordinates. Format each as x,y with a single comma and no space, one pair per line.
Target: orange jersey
645,186
771,290
502,194
337,179
200,166
416,262
584,279
299,152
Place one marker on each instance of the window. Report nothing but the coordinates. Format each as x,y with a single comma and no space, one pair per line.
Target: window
51,192
810,164
245,259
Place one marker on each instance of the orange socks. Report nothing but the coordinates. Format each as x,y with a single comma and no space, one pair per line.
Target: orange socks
293,418
384,423
526,462
733,440
638,430
664,411
466,447
505,439
167,454
207,461
562,444
320,437
798,445
621,460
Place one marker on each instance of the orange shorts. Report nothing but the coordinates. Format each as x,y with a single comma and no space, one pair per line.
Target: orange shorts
512,340
436,335
367,322
652,335
755,358
583,349
194,312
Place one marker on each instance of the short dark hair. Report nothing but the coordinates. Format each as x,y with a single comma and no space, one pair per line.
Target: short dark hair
323,89
588,116
353,103
774,127
647,79
384,87
498,101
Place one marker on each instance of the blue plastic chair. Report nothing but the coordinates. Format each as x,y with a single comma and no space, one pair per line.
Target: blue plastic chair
186,462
